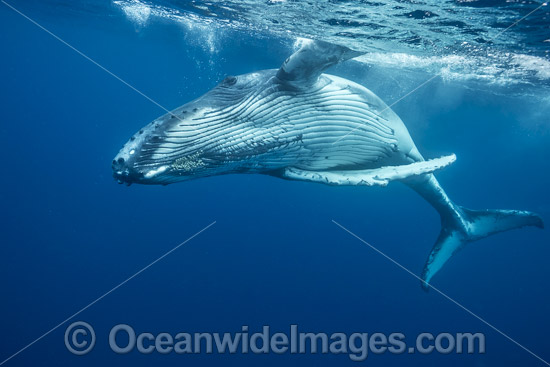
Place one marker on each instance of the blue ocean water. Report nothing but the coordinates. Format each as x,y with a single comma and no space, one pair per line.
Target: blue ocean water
274,256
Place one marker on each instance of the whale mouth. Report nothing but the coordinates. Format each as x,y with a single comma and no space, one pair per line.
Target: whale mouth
128,171
122,178
138,161
122,172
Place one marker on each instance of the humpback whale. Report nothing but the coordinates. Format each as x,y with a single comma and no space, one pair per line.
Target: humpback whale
298,123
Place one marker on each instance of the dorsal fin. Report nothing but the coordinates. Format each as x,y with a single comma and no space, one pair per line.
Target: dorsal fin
302,68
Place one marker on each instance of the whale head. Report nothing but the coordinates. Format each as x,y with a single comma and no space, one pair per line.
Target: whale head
165,151
188,142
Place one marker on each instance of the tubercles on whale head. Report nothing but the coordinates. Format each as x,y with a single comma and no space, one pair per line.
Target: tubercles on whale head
190,141
165,151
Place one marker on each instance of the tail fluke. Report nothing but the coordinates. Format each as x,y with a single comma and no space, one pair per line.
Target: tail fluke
470,225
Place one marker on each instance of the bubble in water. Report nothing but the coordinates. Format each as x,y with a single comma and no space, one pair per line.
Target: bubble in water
136,11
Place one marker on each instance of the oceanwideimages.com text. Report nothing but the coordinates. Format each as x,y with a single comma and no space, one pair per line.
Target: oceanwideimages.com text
80,339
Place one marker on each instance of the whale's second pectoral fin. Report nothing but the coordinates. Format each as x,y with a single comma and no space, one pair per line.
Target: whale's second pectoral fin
302,68
370,177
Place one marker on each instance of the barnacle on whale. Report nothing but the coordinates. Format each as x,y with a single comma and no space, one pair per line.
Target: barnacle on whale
189,162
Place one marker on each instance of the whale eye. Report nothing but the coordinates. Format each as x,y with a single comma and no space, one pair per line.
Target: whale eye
228,81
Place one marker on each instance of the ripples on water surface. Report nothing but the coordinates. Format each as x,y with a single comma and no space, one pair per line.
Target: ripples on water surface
459,39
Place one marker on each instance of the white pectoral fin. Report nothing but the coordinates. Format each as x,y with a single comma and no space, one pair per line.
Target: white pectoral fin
370,177
302,68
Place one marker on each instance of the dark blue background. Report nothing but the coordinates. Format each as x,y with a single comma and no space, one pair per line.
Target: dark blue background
274,257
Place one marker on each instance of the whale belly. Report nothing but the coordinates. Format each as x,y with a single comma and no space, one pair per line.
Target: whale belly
336,124
340,125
